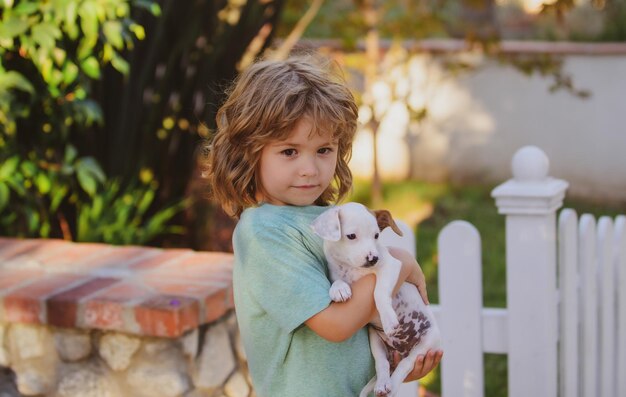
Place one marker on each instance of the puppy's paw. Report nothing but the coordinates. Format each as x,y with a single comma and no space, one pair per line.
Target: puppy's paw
383,388
390,323
340,291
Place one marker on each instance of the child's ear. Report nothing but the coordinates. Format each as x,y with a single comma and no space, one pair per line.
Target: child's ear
384,219
327,225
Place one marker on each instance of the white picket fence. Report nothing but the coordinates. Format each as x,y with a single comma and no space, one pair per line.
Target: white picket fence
564,336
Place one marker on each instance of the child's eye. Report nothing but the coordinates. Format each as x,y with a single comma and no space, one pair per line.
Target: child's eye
289,152
351,236
325,150
376,236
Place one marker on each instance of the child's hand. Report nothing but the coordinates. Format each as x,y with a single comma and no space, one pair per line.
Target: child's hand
415,275
423,364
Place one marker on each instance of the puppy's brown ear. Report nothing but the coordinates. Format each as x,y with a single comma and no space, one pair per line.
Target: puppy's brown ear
384,219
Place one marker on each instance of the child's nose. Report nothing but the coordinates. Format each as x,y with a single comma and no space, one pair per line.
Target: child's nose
308,167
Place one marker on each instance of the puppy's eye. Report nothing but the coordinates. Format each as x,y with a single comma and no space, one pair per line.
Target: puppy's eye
376,236
351,236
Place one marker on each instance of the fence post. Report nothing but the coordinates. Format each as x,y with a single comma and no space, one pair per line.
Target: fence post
530,201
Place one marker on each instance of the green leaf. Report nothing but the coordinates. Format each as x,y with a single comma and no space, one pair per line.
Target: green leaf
151,6
32,219
45,34
86,46
4,195
89,164
12,27
17,185
120,65
91,67
26,8
8,167
70,72
145,202
57,197
113,32
138,30
29,168
14,80
88,14
44,231
87,181
83,232
43,183
96,207
70,154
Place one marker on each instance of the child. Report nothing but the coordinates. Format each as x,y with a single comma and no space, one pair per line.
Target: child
279,157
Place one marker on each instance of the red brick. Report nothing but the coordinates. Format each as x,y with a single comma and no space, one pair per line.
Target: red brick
161,259
105,309
76,256
219,280
14,278
176,288
26,304
62,307
216,298
200,266
119,257
217,305
204,260
16,247
167,316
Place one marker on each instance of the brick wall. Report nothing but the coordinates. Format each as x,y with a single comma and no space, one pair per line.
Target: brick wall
80,319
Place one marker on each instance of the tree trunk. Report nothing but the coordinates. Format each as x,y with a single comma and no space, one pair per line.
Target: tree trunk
372,51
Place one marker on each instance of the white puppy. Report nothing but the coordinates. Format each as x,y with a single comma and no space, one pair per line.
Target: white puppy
405,323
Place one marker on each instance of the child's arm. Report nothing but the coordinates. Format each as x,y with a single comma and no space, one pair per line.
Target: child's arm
340,320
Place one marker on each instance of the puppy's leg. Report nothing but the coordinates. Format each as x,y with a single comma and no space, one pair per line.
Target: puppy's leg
379,351
386,278
340,291
404,368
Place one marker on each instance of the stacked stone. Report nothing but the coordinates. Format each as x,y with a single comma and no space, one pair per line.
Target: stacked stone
58,362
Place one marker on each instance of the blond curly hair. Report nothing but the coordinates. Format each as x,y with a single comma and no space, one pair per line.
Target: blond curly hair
264,104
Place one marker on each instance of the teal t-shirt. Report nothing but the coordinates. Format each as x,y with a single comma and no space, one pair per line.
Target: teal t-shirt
280,280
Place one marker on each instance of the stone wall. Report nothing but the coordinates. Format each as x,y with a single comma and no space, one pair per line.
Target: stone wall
57,362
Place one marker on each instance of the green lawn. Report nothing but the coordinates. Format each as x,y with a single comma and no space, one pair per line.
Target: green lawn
428,208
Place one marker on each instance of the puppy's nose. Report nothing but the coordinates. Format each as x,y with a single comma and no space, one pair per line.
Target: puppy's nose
371,261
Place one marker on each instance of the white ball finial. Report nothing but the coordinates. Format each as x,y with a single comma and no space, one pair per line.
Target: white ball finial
530,164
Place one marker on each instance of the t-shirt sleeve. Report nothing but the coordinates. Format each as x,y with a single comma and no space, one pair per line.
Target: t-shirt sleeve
286,279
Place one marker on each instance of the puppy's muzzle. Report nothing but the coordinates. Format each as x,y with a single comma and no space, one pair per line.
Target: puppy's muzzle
371,261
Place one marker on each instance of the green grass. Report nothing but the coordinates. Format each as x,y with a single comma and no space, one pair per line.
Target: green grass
428,208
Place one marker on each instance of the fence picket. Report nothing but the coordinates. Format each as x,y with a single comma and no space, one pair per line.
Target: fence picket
589,305
607,307
568,290
620,268
460,285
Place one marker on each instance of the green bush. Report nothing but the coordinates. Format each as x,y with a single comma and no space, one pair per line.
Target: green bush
51,54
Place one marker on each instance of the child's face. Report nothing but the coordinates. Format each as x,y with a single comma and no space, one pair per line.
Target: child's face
297,170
